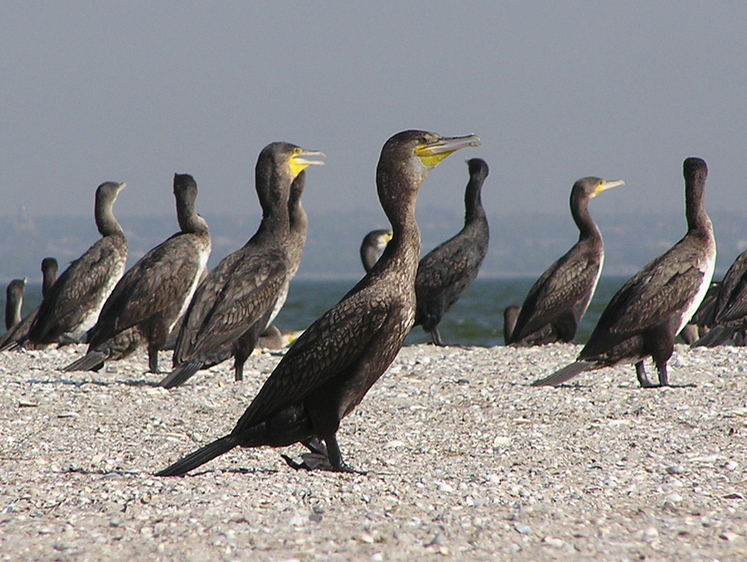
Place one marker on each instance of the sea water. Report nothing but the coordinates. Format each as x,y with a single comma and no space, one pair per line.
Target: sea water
475,320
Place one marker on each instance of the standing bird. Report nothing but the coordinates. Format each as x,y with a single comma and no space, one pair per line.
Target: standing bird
559,298
21,330
331,367
73,303
730,309
14,302
646,314
373,245
447,270
232,306
152,295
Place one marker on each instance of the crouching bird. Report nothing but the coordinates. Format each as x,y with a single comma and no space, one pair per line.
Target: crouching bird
333,364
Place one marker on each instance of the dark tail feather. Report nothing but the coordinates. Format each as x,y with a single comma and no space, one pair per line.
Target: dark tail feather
89,362
180,374
715,336
564,374
11,345
200,457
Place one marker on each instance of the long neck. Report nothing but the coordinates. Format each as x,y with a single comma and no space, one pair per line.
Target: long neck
697,218
404,246
49,276
105,220
299,222
473,202
273,198
587,228
13,309
189,220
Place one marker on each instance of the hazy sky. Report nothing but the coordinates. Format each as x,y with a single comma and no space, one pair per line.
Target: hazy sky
135,91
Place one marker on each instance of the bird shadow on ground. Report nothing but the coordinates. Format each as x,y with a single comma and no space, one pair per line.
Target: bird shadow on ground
70,382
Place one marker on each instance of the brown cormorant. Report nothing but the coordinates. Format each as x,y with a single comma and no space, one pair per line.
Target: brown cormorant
559,298
447,270
730,308
73,304
232,306
646,314
151,296
19,332
333,364
373,245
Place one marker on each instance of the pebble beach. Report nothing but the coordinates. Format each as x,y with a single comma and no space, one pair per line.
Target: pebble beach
463,460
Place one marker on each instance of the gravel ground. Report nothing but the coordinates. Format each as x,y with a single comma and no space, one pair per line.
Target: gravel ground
465,461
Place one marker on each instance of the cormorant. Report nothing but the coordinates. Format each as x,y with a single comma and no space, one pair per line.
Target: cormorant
646,314
152,295
559,298
232,306
21,330
73,303
373,245
333,364
730,308
447,270
14,302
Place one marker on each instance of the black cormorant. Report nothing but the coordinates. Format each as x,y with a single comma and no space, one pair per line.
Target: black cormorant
20,331
559,298
647,313
373,245
730,307
232,306
447,270
329,369
152,295
73,304
14,302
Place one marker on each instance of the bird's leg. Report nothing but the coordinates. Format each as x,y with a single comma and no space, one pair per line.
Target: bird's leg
315,446
640,372
153,358
335,456
238,369
663,379
436,336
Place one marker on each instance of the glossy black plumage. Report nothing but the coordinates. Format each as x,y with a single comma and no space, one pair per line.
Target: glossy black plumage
73,303
730,308
645,315
232,306
332,365
447,270
560,297
149,298
19,332
373,245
